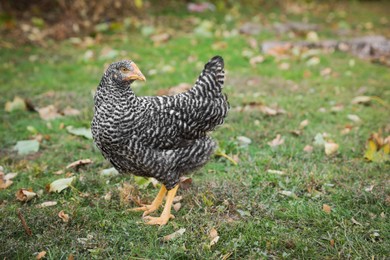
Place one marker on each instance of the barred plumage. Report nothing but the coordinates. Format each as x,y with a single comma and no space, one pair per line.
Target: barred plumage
162,137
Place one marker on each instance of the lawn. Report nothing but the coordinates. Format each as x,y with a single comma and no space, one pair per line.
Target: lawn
281,198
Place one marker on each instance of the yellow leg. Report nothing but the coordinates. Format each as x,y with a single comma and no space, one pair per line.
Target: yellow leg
155,204
166,214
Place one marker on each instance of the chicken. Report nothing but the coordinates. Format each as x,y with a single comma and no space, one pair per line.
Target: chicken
163,137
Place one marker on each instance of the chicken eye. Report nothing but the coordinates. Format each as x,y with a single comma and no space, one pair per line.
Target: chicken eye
123,69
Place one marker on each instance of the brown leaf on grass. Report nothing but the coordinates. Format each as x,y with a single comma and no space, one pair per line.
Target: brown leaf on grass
177,199
78,163
47,204
174,235
24,223
160,38
219,45
68,111
354,118
337,108
59,172
62,215
40,255
331,242
128,193
354,221
49,113
177,206
365,100
284,66
255,106
213,236
326,208
308,148
17,104
255,60
346,129
25,195
108,196
6,179
303,124
331,148
326,72
277,141
369,188
185,182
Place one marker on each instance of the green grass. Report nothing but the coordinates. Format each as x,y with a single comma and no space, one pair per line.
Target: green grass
243,203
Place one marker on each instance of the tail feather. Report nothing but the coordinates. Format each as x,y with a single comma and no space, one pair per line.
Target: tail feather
211,80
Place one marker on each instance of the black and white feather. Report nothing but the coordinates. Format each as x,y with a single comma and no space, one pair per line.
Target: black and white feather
163,136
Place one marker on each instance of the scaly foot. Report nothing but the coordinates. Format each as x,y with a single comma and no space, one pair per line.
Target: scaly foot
162,220
166,214
155,204
147,209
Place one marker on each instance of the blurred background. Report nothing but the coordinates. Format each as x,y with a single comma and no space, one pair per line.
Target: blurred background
303,159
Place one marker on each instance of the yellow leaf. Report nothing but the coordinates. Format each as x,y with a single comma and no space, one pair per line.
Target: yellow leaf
138,3
60,184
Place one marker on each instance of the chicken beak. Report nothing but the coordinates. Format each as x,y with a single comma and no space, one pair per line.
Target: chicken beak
136,74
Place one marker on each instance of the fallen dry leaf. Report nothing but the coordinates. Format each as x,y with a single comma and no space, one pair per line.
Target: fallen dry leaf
59,172
185,183
213,236
174,235
378,148
361,100
255,60
177,199
369,188
354,221
277,141
337,108
25,195
27,229
62,215
354,118
287,193
108,196
79,163
47,204
303,124
326,208
48,113
17,104
40,255
128,193
177,206
326,72
308,148
68,111
61,184
276,172
6,179
331,148
160,38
